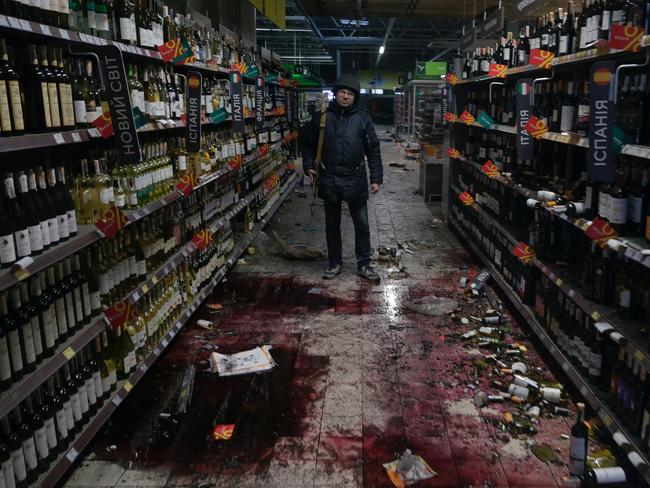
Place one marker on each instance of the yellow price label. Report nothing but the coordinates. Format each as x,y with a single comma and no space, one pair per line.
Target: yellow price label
595,315
639,356
128,386
69,353
145,289
558,282
607,420
154,280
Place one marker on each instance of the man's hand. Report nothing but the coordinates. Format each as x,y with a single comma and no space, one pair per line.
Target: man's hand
312,176
374,188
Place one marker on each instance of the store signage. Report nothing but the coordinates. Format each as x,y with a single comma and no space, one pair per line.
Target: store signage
490,169
288,96
104,125
259,103
193,123
524,252
117,92
600,232
201,239
541,58
186,184
466,198
237,102
600,155
524,141
451,78
498,70
626,37
451,117
445,104
536,127
467,117
111,222
453,153
492,24
485,120
431,70
175,51
118,314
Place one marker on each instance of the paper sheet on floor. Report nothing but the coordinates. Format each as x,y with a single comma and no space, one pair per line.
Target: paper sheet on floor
252,361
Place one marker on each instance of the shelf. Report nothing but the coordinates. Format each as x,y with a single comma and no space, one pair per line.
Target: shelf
18,392
571,138
611,422
628,329
65,460
88,234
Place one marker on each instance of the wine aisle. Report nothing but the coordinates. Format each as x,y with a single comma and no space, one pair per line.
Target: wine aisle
359,377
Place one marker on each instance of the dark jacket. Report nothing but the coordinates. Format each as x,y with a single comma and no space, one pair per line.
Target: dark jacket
349,136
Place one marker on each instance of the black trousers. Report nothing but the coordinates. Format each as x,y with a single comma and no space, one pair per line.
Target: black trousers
359,214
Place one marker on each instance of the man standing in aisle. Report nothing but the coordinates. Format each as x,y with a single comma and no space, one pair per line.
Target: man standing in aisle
348,136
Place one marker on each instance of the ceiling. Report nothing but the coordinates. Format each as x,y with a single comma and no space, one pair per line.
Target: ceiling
400,8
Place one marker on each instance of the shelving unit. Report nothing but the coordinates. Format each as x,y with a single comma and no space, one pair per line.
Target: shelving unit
486,230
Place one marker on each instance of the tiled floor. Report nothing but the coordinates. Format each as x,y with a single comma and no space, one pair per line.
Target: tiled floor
359,377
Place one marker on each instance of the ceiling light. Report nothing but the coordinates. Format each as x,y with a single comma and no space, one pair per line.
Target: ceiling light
382,49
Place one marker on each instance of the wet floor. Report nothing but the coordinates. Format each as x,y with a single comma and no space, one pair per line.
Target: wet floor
359,376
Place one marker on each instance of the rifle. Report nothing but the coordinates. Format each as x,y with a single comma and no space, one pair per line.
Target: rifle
319,154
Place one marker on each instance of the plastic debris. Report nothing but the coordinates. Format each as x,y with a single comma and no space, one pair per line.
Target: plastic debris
408,470
255,360
432,305
296,251
545,454
204,324
214,306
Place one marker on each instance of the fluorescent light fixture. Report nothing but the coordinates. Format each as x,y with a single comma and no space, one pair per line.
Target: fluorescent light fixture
382,49
378,91
358,23
269,29
363,91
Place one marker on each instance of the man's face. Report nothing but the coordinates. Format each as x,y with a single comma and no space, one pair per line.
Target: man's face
345,97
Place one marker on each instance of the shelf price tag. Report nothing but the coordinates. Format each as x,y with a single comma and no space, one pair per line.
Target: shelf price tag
174,50
218,116
223,432
118,314
186,184
536,128
498,70
453,153
466,198
626,37
451,117
451,78
541,58
68,353
111,222
600,232
490,169
485,120
201,239
467,117
524,252
104,125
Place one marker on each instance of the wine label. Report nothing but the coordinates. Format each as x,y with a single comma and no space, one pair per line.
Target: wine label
97,384
42,447
5,113
7,249
72,221
95,300
14,350
61,321
85,294
64,229
142,267
125,29
23,247
18,462
78,305
618,16
62,422
83,399
80,113
129,362
67,106
36,334
104,285
75,404
568,114
109,380
16,105
5,362
50,433
617,210
53,226
69,307
29,448
635,208
606,20
45,233
605,476
564,45
49,327
46,105
577,455
53,96
624,298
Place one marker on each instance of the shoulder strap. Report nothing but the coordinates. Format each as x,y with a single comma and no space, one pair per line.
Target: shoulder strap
321,136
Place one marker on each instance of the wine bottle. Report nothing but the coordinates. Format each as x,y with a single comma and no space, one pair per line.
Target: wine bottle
55,290
46,414
63,196
610,477
12,85
64,84
52,88
50,206
33,423
31,215
56,404
16,452
6,466
40,208
16,219
59,205
26,438
29,313
46,313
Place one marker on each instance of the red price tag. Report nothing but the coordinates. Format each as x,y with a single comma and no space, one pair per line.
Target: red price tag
451,78
467,117
223,432
466,198
111,222
118,314
171,49
235,163
524,252
626,37
490,169
536,128
600,232
241,67
451,117
186,184
104,125
498,70
201,239
541,58
453,153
